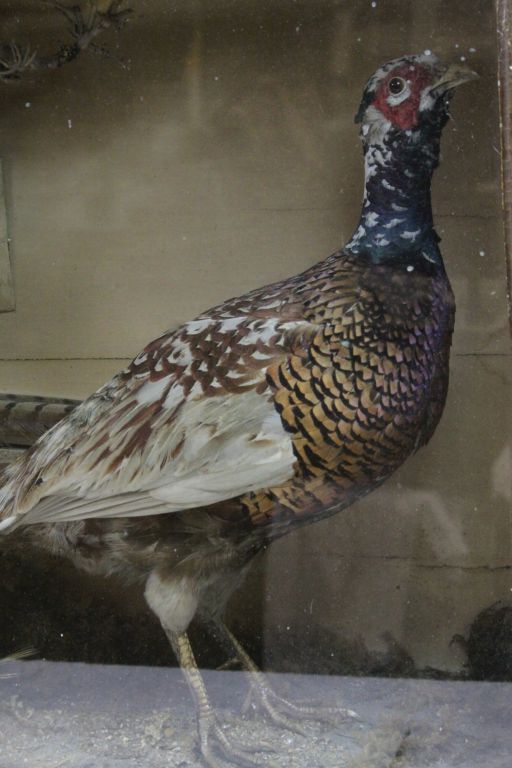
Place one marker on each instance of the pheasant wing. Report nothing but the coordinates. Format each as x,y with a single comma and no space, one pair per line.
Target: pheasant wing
190,422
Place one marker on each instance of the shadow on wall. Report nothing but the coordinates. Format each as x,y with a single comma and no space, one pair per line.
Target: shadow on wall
67,616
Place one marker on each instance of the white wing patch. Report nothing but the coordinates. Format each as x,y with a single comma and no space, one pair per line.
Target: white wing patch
229,446
203,430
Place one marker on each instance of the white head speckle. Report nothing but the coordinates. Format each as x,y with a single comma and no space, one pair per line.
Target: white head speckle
371,219
410,235
393,223
360,232
378,126
426,100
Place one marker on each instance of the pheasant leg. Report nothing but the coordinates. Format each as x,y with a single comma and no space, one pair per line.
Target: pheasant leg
214,744
280,710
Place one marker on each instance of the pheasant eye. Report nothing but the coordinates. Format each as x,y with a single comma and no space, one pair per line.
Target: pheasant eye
397,85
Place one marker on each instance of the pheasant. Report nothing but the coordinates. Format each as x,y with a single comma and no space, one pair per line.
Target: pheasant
268,412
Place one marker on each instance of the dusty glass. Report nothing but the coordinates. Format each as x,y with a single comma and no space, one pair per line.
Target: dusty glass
197,152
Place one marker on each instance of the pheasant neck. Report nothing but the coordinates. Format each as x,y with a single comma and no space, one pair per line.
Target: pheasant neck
396,217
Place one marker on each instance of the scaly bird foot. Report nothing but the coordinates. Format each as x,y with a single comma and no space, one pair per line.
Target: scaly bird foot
217,747
285,713
280,711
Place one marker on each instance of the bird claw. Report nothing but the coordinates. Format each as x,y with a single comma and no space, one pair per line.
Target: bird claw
325,714
233,663
213,740
285,713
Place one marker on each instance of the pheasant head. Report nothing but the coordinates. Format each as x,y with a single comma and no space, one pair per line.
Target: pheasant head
403,111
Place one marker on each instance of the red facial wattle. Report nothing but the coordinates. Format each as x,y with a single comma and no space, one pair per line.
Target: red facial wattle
405,114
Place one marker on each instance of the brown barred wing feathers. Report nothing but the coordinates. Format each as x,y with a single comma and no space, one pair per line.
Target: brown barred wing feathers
190,422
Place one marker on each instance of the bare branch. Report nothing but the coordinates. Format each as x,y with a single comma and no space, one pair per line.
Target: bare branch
85,23
14,60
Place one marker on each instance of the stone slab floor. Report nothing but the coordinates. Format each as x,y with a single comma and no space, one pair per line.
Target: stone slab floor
63,715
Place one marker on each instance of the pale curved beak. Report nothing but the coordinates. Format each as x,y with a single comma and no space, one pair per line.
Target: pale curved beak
452,77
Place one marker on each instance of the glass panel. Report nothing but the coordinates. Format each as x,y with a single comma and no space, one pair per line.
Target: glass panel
199,151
